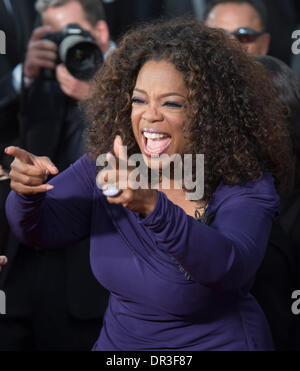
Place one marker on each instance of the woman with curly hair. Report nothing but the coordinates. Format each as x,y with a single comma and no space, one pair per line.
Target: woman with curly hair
176,282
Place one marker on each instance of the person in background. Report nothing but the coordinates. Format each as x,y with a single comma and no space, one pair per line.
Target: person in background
56,15
279,274
51,106
45,288
244,20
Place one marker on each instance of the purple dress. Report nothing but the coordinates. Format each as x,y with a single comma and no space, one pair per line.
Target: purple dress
175,283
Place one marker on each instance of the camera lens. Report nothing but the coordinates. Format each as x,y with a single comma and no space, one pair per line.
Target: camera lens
81,56
83,60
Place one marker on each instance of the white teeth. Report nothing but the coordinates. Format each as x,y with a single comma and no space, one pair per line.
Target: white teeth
154,135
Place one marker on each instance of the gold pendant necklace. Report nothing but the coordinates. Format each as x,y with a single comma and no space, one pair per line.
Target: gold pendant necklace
201,216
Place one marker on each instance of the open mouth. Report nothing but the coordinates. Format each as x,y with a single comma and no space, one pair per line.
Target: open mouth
155,142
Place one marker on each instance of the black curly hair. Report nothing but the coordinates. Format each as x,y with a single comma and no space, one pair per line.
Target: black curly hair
235,117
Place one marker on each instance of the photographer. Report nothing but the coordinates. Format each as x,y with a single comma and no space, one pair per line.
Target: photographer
47,308
42,53
59,96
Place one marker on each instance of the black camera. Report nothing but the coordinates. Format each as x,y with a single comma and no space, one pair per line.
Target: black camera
78,50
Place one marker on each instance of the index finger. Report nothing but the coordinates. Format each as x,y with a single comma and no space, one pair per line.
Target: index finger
40,31
19,153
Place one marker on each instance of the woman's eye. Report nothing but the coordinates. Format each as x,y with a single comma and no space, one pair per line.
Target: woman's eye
172,104
138,100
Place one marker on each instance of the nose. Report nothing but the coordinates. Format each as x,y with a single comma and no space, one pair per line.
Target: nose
152,114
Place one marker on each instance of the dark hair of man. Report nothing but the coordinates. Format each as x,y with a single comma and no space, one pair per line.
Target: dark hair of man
258,5
287,84
94,10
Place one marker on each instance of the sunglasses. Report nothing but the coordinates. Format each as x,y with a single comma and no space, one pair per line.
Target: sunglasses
245,35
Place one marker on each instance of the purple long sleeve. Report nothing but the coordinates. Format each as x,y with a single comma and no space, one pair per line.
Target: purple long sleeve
59,217
226,254
223,255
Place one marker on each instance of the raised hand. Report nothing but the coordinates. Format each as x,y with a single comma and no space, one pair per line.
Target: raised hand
29,172
142,201
40,53
70,86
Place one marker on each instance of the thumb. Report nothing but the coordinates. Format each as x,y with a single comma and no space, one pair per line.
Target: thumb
61,71
118,148
46,164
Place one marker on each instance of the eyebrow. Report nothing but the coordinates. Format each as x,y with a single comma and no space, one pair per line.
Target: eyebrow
161,96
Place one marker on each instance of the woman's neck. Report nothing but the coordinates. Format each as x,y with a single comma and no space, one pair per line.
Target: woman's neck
178,197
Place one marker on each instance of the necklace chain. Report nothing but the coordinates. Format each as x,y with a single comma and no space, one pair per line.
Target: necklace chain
201,216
